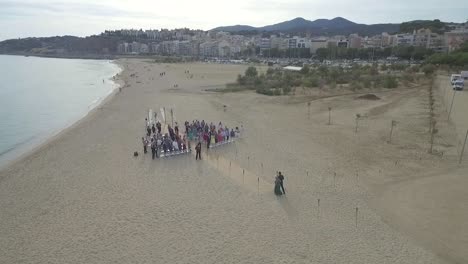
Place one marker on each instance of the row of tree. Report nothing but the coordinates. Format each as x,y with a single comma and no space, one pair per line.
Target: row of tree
458,58
281,82
341,53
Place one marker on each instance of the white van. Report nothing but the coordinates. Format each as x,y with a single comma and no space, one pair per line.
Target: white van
454,78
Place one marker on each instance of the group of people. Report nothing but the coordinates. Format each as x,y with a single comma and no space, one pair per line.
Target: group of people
174,141
162,73
171,142
210,134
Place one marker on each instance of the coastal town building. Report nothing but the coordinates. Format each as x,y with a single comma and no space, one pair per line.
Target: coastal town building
198,43
318,43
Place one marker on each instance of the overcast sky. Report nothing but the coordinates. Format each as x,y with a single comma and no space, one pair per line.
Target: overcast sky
24,18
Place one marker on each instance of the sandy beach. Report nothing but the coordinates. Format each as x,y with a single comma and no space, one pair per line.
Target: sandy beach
352,197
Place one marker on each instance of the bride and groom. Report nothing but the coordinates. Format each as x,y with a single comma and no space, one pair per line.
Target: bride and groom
279,188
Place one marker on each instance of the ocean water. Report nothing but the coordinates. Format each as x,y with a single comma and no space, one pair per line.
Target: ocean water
39,97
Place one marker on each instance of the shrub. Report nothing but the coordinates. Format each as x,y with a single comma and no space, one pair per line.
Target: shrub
305,69
414,69
241,80
408,77
366,83
374,70
251,72
390,82
286,90
355,85
428,69
311,82
398,67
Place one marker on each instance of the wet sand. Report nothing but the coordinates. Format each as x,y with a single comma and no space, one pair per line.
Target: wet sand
84,198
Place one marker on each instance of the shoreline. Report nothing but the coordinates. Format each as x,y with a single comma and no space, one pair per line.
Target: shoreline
47,139
100,57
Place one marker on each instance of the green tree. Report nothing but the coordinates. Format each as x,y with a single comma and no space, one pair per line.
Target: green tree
251,72
322,53
241,80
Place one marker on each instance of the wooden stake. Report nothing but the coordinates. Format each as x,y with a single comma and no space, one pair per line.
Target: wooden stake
318,208
334,180
451,105
356,215
258,185
433,130
243,174
463,148
391,131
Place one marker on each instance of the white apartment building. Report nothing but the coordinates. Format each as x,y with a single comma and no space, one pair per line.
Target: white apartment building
297,42
264,43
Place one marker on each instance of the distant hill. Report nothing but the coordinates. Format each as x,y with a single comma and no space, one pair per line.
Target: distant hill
434,25
335,26
237,28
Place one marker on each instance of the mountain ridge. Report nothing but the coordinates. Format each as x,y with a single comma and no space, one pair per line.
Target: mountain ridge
337,25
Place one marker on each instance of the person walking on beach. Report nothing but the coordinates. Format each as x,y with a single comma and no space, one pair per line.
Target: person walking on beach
145,143
198,150
277,188
281,178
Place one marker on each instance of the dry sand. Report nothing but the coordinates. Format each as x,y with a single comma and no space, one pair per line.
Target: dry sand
83,198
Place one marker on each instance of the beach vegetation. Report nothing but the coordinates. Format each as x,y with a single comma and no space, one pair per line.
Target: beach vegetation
277,81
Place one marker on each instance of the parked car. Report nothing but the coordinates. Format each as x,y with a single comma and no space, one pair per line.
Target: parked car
458,85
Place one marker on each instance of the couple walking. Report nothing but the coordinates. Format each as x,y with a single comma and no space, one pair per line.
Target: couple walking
279,188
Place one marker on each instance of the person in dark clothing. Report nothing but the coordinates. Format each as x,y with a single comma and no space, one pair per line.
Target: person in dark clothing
277,189
208,141
148,131
281,179
145,143
153,129
153,148
158,126
198,149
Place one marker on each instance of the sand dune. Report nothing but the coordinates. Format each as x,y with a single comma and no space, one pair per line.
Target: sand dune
84,198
